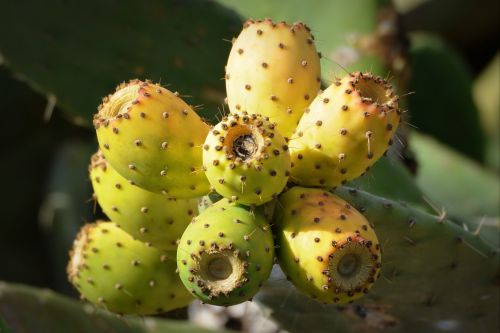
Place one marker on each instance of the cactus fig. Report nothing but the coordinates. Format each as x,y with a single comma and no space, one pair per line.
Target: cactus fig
273,69
347,128
225,254
149,217
112,270
246,159
326,248
142,131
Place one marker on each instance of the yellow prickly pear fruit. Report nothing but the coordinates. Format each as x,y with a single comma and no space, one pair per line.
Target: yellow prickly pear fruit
347,128
274,70
153,138
246,159
326,248
149,217
112,270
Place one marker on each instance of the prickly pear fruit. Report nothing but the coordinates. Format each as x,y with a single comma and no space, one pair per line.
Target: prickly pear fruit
153,138
273,69
246,159
149,217
112,270
225,254
326,248
347,128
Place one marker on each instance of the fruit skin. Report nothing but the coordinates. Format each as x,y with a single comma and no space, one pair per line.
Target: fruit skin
318,235
246,159
112,270
345,131
274,70
153,138
149,217
240,241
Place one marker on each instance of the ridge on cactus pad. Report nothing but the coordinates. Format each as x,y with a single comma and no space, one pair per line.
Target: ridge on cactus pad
326,248
226,254
346,129
115,272
273,69
153,138
149,217
246,159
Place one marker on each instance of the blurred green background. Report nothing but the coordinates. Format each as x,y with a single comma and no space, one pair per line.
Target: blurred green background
58,58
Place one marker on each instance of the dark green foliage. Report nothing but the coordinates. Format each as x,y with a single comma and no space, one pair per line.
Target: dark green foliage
442,104
67,204
26,309
83,50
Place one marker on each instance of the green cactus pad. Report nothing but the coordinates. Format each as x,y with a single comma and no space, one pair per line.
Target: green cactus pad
246,159
347,128
273,69
149,217
225,254
112,270
326,248
153,138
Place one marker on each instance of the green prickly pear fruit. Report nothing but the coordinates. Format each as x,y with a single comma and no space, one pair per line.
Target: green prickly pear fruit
142,131
326,248
225,254
246,159
112,270
347,128
273,69
149,217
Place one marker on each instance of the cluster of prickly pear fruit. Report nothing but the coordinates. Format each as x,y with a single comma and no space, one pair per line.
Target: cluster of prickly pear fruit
158,158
